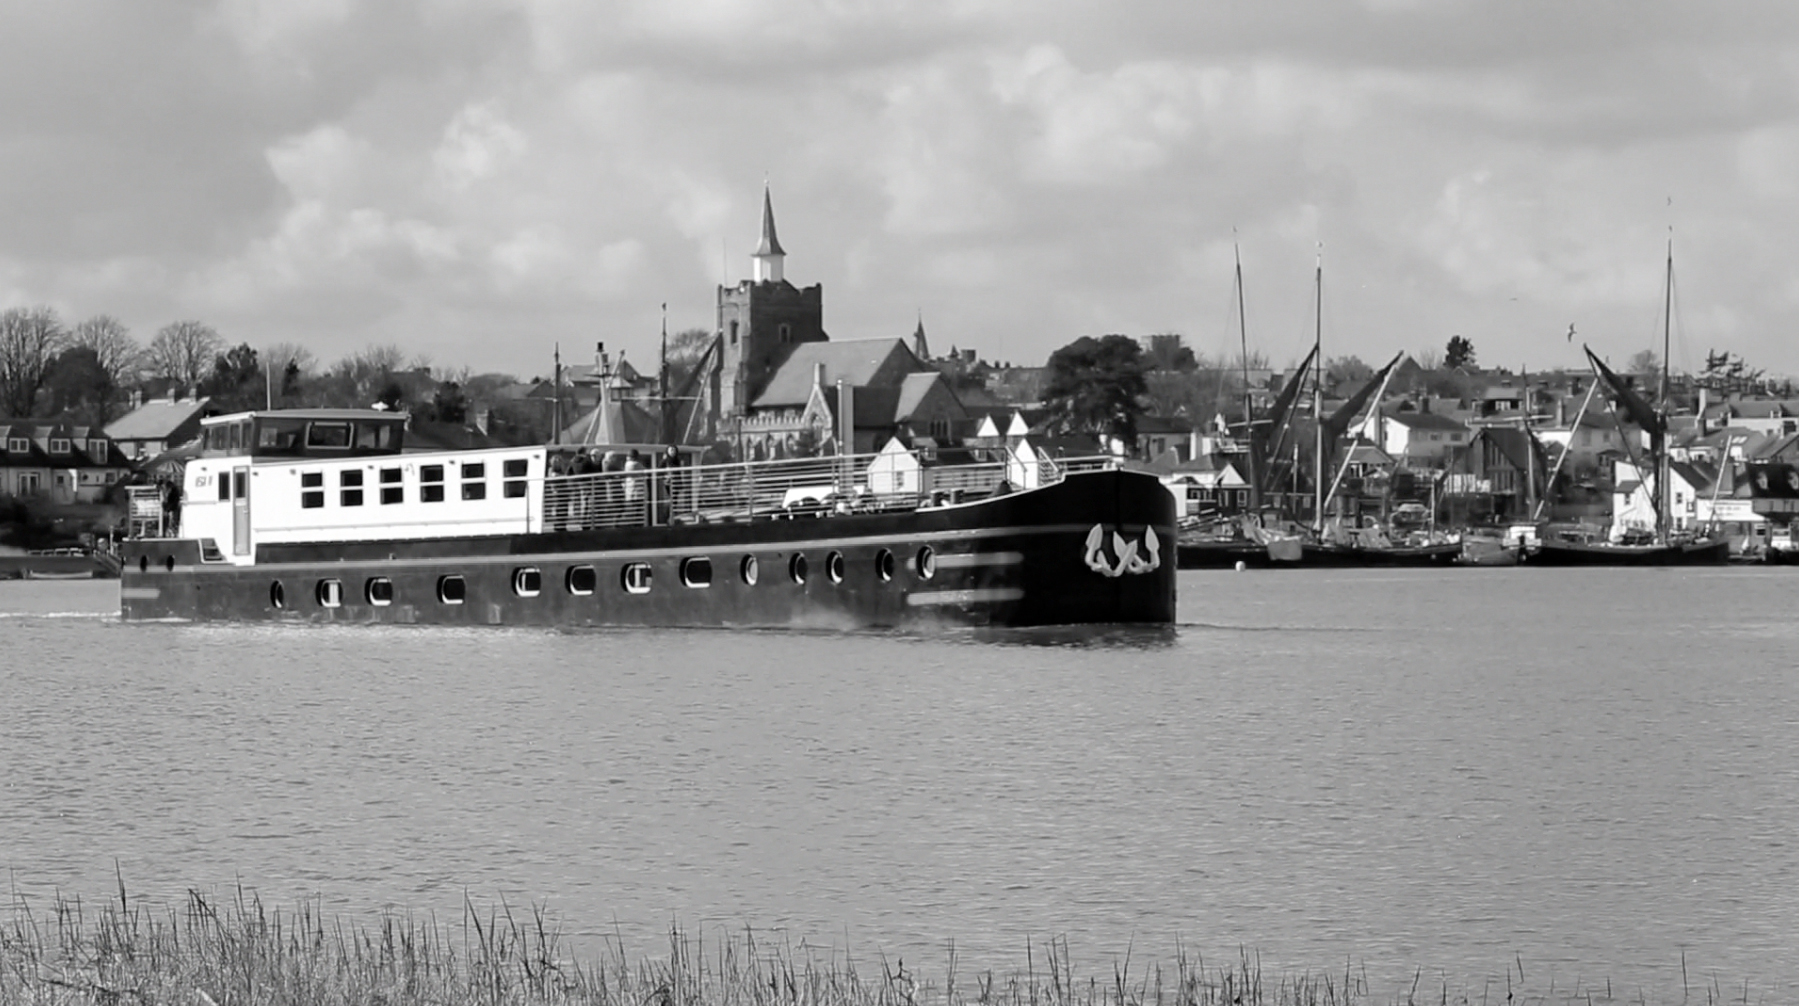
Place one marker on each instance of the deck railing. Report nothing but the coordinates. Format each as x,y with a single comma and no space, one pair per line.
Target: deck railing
797,487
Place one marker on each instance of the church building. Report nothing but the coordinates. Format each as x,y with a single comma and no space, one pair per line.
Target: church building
779,378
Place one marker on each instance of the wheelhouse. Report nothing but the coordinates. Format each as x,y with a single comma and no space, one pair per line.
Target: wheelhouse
303,433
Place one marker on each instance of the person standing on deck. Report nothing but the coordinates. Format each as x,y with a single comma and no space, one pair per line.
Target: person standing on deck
634,486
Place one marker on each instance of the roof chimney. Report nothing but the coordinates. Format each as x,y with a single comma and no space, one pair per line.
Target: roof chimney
818,375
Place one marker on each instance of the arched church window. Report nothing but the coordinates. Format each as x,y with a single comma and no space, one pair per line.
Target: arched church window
786,334
733,332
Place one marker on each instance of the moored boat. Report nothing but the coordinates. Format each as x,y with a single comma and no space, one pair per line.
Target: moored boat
318,516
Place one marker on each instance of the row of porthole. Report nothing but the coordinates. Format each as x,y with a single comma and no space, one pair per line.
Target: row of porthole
634,577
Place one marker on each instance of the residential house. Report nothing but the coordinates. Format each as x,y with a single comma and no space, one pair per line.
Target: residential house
157,426
1759,415
69,463
1420,439
1700,498
1503,473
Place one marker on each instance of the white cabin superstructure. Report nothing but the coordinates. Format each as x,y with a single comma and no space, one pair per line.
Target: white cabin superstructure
340,475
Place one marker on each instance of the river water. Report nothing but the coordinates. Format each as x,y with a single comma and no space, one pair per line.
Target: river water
1591,772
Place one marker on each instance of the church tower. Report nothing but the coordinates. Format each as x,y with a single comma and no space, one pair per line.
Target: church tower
760,320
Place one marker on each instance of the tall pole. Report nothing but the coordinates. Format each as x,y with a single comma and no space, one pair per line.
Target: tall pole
1318,392
1249,412
556,406
662,381
1665,512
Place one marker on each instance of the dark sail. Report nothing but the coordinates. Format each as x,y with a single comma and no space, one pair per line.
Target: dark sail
1265,444
1637,410
1338,423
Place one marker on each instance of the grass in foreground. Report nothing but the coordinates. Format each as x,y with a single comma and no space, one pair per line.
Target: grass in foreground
238,953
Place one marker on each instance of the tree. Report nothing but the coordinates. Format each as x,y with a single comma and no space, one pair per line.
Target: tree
1097,386
236,383
1458,353
117,353
30,337
184,352
1167,353
1646,361
449,404
1343,371
686,349
78,383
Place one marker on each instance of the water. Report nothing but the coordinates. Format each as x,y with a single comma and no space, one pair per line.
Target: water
1588,770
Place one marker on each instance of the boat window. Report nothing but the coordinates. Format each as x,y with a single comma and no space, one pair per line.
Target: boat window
451,589
279,436
224,486
884,565
514,470
312,485
796,567
527,581
925,563
747,570
349,483
277,596
391,489
834,567
474,485
636,578
328,435
373,436
239,489
329,593
696,572
431,478
580,579
379,590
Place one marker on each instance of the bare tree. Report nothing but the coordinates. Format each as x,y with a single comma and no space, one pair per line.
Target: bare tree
185,351
29,338
277,357
119,354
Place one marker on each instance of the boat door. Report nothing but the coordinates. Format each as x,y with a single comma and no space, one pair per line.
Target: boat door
240,510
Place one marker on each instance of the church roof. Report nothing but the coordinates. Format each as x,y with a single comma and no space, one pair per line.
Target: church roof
853,361
912,391
771,245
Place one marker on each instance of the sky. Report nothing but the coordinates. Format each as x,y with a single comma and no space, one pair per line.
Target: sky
478,181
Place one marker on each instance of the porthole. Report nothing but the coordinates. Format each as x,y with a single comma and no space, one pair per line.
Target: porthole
527,581
747,570
884,565
277,596
697,571
636,578
168,563
926,562
143,564
452,589
834,567
329,593
796,567
379,591
580,580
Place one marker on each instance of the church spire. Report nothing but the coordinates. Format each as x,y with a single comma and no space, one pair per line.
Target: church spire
768,255
921,348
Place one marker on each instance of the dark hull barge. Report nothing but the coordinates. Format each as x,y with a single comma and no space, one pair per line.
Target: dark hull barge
492,538
1575,553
